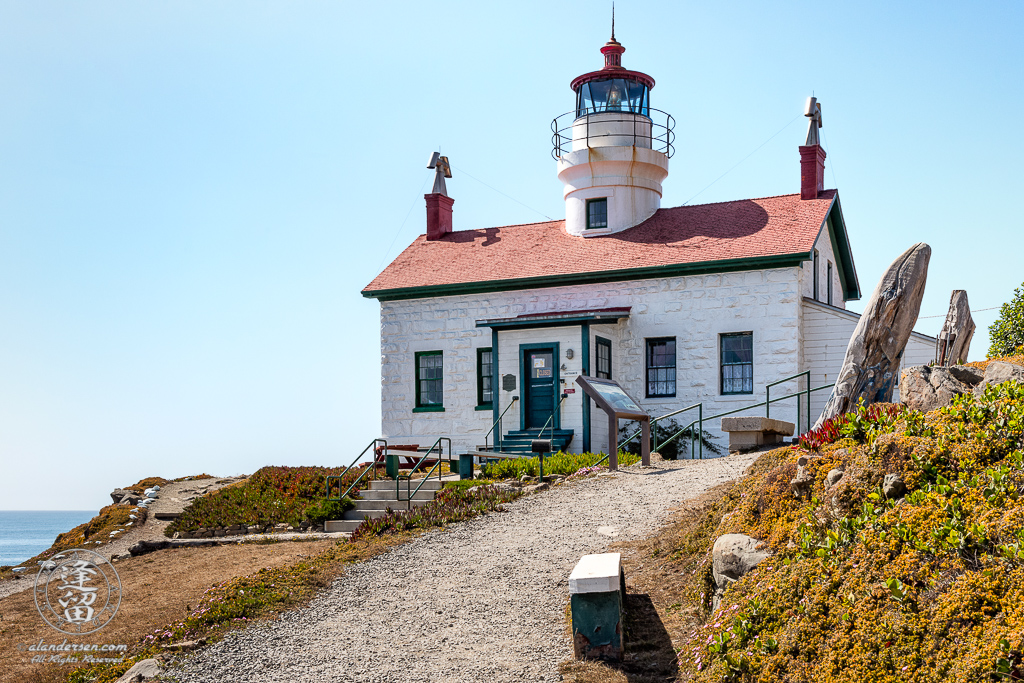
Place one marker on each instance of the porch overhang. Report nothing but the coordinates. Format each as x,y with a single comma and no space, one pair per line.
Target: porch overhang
529,321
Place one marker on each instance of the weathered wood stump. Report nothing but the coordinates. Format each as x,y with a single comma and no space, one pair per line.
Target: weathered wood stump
957,331
876,347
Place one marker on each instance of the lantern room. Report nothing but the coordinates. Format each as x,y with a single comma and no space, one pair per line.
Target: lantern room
612,149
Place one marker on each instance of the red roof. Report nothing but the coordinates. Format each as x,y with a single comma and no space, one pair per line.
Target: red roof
769,226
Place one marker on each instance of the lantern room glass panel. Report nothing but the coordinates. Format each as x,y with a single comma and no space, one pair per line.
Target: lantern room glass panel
613,95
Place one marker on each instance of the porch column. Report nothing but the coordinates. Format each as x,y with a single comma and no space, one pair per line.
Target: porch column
585,370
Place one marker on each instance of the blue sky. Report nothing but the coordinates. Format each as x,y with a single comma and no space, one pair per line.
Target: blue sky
192,194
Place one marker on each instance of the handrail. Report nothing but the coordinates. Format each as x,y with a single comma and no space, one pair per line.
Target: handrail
437,465
497,423
654,422
768,401
373,466
552,417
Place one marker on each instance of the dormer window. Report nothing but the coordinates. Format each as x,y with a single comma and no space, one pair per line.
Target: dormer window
597,213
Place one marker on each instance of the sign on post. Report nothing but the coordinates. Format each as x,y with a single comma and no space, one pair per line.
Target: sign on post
617,404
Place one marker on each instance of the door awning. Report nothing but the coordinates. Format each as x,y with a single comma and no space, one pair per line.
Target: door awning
557,319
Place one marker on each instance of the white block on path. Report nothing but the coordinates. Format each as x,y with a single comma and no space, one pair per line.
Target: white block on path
596,574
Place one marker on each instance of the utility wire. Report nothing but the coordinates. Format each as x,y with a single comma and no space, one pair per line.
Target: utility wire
743,159
404,221
502,193
973,310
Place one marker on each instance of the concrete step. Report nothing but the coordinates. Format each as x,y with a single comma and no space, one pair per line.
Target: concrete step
389,485
345,525
390,495
382,504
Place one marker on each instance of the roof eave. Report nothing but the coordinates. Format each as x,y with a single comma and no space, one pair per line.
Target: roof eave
544,281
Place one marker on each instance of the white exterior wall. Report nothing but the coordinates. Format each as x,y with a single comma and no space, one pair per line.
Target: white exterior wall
827,331
695,310
825,256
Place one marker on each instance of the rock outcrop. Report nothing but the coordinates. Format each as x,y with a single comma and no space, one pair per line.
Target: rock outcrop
924,387
732,556
998,372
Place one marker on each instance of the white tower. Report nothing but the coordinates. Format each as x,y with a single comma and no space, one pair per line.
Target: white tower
612,150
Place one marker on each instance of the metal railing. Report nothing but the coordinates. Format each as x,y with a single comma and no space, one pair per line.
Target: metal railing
551,418
699,422
372,468
497,423
651,134
768,399
409,493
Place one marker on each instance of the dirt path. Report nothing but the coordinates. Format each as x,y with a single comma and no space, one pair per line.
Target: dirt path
482,601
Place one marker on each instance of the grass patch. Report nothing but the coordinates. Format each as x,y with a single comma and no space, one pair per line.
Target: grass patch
559,463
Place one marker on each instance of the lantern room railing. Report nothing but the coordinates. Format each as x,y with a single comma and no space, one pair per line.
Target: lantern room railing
655,131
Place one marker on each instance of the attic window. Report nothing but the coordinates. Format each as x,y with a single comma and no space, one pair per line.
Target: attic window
597,213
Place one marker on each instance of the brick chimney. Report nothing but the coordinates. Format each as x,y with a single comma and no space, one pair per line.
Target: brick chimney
812,171
439,215
812,156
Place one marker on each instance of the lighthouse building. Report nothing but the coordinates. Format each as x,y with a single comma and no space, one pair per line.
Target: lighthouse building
692,304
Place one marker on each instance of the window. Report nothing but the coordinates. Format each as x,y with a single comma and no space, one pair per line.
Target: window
597,213
604,358
816,275
429,394
828,284
484,378
661,367
738,363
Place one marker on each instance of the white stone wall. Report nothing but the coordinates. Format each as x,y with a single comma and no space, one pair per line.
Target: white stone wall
825,256
827,331
695,310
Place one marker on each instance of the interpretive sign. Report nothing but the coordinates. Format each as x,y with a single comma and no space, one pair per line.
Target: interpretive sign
618,404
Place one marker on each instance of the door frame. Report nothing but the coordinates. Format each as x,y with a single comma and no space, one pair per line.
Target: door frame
524,379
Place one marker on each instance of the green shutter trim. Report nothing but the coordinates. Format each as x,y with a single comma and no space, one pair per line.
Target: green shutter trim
585,352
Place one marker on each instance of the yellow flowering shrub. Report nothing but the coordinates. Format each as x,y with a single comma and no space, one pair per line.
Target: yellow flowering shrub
924,586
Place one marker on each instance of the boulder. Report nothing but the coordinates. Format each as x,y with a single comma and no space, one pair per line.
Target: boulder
967,374
998,372
733,555
833,477
117,495
924,388
893,486
803,482
142,671
876,347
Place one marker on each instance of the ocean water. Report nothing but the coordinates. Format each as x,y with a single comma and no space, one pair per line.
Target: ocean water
24,534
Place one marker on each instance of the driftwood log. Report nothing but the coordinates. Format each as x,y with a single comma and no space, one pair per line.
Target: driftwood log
873,355
957,331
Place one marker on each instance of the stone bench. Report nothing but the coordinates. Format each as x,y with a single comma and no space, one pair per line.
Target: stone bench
597,590
748,433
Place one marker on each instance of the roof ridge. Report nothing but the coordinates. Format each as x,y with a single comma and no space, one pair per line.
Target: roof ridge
745,199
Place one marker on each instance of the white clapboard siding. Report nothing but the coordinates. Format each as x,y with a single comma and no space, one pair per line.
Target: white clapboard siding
826,334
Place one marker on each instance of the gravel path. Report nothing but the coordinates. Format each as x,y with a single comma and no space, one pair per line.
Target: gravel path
480,602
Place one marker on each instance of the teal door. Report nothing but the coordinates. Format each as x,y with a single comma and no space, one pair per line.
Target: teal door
540,386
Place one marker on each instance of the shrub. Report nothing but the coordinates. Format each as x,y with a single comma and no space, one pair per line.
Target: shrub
272,495
1006,334
328,509
559,463
861,425
926,588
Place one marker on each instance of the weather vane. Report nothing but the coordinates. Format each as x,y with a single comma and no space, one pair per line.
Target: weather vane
442,170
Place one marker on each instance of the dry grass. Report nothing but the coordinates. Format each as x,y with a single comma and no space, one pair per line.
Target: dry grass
982,364
160,589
